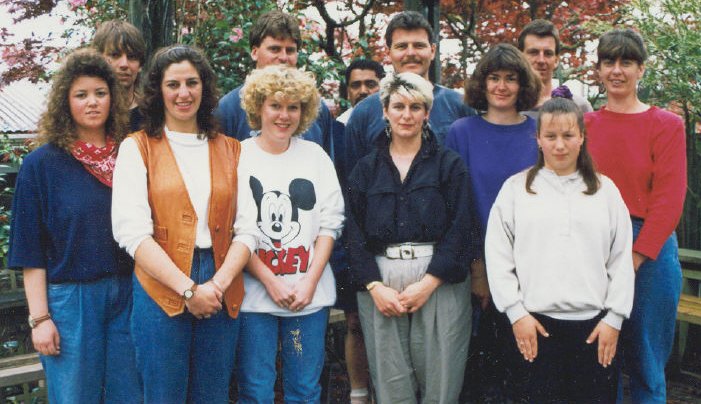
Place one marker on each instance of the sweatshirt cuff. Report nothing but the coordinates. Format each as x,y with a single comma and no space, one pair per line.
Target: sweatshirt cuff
334,234
247,240
134,245
647,248
613,319
516,312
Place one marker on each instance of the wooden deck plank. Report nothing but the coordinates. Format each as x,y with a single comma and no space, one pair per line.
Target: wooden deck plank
692,257
689,309
21,374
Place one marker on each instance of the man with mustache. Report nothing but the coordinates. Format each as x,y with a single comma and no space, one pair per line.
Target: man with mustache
125,50
540,43
412,47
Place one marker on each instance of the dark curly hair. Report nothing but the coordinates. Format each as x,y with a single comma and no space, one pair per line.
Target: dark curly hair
56,125
151,105
503,56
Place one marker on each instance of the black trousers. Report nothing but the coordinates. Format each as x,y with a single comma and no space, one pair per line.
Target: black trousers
567,369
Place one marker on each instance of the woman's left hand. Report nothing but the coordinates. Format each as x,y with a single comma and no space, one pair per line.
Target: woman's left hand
414,296
303,292
608,340
206,301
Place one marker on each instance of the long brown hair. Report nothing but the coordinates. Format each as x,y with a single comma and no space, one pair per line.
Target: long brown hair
151,105
585,164
56,125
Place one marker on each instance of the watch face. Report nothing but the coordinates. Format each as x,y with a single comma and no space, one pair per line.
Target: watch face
188,294
32,324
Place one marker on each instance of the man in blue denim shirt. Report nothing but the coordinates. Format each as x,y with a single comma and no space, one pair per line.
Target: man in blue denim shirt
410,40
275,39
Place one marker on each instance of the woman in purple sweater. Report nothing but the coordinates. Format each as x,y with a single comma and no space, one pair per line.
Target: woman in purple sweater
495,145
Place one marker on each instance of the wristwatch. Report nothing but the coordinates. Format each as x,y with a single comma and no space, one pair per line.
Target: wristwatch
370,286
34,322
188,293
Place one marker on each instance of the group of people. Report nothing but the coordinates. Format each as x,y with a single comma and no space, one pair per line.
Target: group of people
170,239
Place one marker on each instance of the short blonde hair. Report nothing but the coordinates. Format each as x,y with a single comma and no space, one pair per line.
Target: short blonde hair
281,82
409,85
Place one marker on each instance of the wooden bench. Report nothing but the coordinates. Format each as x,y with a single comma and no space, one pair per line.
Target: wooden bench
20,370
689,310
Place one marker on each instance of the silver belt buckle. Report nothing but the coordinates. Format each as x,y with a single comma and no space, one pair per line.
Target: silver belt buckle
406,252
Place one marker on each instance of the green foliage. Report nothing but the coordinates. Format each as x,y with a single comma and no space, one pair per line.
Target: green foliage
11,154
5,216
220,29
672,30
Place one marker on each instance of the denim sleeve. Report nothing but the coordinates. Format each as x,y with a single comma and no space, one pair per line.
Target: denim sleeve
325,121
453,252
354,138
223,115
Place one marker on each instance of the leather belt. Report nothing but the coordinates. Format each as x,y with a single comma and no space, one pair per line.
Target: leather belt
409,251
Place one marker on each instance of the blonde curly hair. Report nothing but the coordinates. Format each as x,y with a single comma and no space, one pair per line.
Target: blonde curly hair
56,124
281,82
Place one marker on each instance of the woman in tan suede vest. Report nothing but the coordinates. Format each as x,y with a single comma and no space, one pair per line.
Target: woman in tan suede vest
175,210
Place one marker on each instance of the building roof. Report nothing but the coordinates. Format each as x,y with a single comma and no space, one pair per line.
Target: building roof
21,105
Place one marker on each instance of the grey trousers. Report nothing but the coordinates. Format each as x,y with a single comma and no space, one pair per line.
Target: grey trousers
417,357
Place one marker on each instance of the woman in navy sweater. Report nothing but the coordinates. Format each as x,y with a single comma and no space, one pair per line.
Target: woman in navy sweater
77,282
495,145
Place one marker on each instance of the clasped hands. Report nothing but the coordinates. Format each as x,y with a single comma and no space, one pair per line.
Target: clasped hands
207,300
392,303
292,297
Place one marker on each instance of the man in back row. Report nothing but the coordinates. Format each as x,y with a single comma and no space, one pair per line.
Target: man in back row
124,48
412,47
275,39
540,43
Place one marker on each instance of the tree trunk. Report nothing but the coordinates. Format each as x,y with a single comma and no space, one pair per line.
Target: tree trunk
156,19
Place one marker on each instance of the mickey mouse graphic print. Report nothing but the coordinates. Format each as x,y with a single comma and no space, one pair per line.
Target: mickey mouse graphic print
298,199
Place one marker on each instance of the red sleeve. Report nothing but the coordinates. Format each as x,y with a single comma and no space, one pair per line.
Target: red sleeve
667,187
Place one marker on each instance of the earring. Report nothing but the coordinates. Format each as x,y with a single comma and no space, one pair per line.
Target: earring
425,130
388,129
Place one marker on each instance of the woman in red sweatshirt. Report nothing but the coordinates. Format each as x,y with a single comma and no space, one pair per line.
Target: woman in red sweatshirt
642,149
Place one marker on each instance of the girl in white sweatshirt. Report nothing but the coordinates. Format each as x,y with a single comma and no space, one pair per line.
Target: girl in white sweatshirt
558,261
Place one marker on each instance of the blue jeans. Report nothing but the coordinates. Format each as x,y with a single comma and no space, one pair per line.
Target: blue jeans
183,359
96,363
648,336
303,341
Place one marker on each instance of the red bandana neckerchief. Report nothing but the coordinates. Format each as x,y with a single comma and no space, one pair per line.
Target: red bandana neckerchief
99,161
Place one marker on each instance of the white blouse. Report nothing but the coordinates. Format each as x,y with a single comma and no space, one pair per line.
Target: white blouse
131,212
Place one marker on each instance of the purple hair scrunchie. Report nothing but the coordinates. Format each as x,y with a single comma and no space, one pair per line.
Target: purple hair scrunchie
561,92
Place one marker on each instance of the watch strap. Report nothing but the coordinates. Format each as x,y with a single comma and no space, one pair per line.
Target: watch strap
33,322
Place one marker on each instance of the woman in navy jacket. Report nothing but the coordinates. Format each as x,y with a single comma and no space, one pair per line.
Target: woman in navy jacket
409,218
